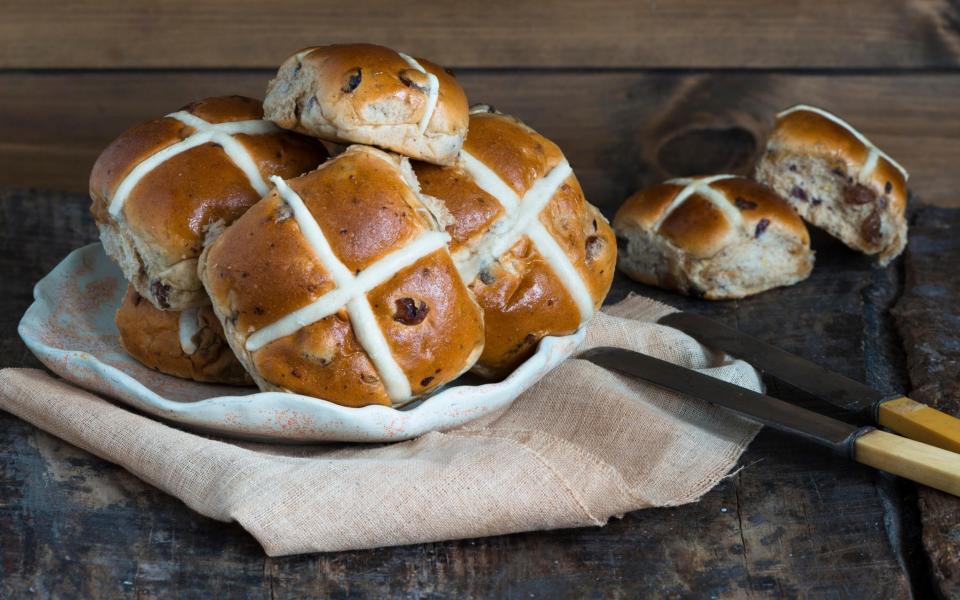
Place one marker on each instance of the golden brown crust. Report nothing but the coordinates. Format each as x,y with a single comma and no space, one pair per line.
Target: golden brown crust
515,152
152,337
364,209
811,133
698,226
719,237
167,215
523,298
472,209
585,236
838,180
262,268
522,303
369,94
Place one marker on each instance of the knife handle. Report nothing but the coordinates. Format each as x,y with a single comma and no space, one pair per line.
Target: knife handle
929,465
920,422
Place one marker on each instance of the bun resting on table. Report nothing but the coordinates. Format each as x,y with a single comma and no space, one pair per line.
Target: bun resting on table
539,257
187,344
838,180
367,94
162,187
716,237
339,285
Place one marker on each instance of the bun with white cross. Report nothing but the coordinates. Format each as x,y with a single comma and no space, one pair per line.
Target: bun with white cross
718,237
164,186
188,344
339,285
367,94
838,180
539,257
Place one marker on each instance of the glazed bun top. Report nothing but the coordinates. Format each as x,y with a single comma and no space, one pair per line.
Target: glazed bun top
362,93
339,285
539,257
165,183
703,215
806,129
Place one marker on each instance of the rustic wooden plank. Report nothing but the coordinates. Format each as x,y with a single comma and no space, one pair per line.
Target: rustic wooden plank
795,521
928,316
606,33
620,130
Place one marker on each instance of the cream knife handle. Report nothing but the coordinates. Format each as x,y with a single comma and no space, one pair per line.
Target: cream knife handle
916,461
920,422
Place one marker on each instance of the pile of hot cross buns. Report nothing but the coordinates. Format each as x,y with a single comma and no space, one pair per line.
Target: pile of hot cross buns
362,236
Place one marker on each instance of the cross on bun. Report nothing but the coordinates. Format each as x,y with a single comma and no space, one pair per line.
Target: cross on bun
187,344
367,94
539,257
715,237
339,285
838,180
161,187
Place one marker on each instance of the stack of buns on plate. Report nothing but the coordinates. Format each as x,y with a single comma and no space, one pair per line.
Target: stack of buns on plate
436,239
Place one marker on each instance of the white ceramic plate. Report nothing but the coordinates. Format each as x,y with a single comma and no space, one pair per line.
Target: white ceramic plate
70,328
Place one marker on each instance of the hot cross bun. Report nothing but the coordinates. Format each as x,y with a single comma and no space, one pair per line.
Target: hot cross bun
339,285
367,94
714,237
163,186
187,344
838,180
539,257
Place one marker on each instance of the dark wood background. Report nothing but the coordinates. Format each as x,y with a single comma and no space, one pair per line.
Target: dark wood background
630,90
633,92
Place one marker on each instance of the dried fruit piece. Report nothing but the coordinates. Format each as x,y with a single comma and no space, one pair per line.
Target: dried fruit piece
858,194
415,79
870,227
594,247
353,80
744,204
486,277
409,312
161,292
762,225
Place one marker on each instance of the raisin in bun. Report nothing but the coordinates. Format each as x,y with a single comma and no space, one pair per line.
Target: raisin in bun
714,237
837,180
339,285
187,344
361,93
539,257
161,187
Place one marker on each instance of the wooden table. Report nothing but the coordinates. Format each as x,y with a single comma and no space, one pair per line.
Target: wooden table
633,92
791,520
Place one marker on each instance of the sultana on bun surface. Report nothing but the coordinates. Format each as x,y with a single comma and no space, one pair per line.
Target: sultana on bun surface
339,285
162,187
538,256
368,94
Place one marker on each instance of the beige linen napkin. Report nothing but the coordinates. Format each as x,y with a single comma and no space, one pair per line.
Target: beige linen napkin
579,447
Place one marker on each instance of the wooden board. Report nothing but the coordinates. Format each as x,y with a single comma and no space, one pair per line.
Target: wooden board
794,521
928,317
565,33
621,130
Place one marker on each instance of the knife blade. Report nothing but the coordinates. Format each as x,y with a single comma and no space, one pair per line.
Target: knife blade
897,412
810,377
776,413
901,456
